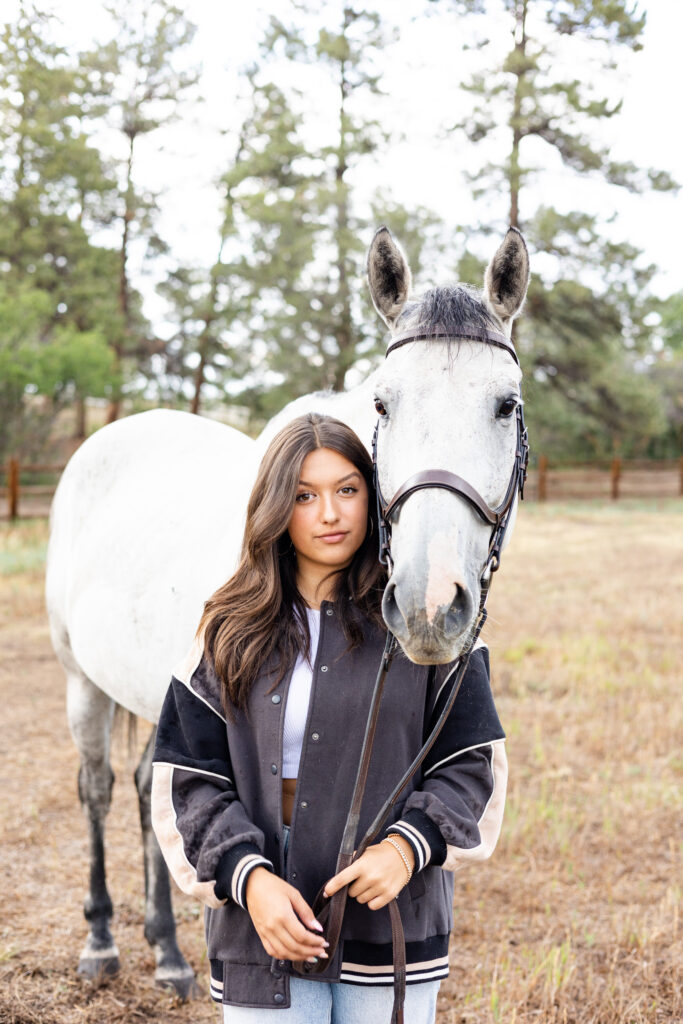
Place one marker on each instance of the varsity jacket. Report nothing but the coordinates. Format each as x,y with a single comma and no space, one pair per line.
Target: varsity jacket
217,803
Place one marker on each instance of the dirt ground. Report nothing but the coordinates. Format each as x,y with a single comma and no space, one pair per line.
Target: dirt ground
574,920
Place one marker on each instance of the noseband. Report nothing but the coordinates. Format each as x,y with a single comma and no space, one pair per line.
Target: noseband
497,518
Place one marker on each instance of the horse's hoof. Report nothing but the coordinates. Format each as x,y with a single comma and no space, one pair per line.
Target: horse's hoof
98,967
184,984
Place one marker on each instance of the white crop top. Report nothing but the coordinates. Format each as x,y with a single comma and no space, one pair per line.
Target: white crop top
298,699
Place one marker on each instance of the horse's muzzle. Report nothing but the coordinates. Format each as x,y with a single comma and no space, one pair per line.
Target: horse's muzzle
426,641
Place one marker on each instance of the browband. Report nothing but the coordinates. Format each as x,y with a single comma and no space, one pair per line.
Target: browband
470,334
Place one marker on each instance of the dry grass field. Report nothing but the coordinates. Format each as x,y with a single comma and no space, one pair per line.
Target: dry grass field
575,920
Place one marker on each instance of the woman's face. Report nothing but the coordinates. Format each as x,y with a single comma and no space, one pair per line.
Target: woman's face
330,516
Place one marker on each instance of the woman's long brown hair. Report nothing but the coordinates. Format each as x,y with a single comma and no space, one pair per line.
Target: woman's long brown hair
259,616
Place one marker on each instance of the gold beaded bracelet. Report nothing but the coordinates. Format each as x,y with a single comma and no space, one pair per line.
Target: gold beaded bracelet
392,839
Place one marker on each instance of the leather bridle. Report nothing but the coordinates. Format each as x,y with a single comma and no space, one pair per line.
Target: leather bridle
497,518
330,912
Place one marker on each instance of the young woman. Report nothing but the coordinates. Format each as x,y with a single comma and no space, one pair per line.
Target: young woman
259,741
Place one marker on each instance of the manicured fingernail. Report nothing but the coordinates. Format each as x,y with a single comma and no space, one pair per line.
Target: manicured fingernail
326,944
311,959
317,925
326,894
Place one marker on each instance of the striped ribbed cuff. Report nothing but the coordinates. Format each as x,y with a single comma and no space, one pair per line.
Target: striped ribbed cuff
234,869
427,843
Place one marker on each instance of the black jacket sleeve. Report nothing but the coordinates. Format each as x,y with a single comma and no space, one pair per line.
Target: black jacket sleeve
207,839
455,815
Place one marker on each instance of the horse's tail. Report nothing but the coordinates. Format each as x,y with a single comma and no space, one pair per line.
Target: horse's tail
125,729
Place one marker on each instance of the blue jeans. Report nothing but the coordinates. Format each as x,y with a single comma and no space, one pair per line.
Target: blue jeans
320,1002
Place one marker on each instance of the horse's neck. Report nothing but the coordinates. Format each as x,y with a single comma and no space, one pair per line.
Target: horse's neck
354,407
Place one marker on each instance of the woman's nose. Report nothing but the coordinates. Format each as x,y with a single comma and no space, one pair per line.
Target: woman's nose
329,512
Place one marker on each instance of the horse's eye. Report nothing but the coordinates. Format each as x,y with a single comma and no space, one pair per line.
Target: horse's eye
379,406
507,407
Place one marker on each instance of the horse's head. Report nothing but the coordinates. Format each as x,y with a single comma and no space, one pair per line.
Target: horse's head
444,404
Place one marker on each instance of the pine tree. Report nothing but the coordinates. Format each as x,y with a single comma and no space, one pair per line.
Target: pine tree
264,244
586,326
284,308
140,80
310,229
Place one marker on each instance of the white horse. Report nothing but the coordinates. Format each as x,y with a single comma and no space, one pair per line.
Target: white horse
147,521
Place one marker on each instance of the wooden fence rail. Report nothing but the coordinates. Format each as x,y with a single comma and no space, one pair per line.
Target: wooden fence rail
15,487
623,478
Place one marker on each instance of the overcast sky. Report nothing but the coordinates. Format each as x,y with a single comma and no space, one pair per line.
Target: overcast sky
421,81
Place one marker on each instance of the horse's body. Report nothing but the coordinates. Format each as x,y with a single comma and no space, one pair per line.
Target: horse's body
147,522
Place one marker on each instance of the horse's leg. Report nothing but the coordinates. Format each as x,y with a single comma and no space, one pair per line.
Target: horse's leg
172,971
90,713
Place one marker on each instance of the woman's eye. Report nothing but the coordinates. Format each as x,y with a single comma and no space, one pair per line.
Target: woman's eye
380,407
349,489
507,407
303,497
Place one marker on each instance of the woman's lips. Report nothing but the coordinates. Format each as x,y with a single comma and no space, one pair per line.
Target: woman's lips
332,538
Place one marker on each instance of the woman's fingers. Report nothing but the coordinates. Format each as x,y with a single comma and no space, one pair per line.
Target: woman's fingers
363,891
377,874
303,910
342,879
286,941
293,939
297,934
285,948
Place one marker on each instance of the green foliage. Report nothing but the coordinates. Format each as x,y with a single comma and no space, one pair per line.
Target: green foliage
81,329
74,363
38,358
55,285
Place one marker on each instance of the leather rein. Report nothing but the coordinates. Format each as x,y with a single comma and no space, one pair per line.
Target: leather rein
330,911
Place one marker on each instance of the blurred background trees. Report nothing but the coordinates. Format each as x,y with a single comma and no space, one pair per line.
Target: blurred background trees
281,307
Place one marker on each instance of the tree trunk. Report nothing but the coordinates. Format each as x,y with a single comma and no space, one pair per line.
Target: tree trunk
124,288
81,418
113,410
345,329
516,120
198,381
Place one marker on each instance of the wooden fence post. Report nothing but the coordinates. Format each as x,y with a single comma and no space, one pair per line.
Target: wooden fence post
13,487
542,477
615,474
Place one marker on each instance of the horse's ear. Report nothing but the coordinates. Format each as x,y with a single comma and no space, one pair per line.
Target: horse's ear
388,276
507,277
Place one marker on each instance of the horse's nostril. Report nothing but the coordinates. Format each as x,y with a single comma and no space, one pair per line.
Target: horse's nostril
461,607
390,609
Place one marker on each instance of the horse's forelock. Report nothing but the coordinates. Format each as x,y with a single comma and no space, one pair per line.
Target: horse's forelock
448,308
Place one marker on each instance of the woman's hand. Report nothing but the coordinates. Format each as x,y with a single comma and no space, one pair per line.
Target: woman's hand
277,909
377,876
